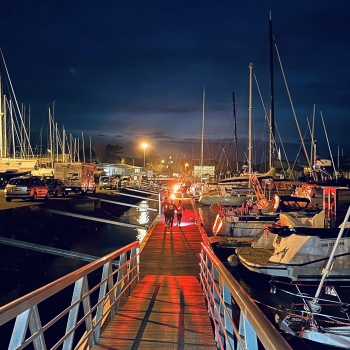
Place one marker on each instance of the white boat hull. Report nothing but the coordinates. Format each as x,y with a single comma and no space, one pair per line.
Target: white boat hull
232,200
333,336
230,226
299,258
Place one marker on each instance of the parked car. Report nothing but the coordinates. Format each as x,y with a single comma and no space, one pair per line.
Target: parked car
26,187
56,187
107,182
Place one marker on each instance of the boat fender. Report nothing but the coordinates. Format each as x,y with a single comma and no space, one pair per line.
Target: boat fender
266,230
214,208
276,201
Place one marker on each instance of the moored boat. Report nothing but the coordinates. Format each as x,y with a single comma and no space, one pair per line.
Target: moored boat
300,245
228,195
322,318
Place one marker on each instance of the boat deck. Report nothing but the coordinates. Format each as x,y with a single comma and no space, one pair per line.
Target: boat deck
254,257
232,242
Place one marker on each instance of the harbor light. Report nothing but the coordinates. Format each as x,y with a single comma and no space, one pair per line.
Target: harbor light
144,146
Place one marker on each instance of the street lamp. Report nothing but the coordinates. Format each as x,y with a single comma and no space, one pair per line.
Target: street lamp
144,146
186,165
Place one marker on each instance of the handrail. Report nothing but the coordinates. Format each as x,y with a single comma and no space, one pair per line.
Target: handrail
107,292
223,294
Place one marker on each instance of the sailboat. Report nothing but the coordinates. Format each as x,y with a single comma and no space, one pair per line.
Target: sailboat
306,320
245,176
196,189
248,169
230,195
16,153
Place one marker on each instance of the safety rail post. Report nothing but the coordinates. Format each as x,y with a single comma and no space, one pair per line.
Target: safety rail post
237,321
227,298
111,280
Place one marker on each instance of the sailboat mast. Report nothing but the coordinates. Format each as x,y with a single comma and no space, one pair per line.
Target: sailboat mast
83,143
29,131
272,101
51,139
78,149
202,139
63,144
235,130
329,147
312,159
1,123
70,148
250,133
90,151
12,131
4,128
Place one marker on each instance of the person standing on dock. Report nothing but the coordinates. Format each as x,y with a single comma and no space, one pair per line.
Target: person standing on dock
183,190
179,211
165,207
171,213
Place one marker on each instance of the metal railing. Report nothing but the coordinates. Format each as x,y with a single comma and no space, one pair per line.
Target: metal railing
90,295
237,321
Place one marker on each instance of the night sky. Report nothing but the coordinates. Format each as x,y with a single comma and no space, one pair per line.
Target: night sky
126,72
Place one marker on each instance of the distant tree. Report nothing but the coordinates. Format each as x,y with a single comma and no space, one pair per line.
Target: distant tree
112,154
132,161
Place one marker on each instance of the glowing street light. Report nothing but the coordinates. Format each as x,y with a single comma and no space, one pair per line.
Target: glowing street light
144,146
186,165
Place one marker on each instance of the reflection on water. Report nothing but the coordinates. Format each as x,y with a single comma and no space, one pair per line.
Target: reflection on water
97,241
143,219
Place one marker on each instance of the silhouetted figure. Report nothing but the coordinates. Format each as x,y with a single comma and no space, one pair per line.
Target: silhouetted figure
179,211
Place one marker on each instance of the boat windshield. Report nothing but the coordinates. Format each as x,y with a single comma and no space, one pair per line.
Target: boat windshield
290,203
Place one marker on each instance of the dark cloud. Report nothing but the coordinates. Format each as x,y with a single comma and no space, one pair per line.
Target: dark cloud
136,70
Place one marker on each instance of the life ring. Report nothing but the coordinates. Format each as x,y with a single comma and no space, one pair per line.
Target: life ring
214,208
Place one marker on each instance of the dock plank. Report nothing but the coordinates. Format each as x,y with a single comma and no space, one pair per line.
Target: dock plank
163,312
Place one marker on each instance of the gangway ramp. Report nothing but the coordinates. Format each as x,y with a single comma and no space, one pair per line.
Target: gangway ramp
162,312
166,310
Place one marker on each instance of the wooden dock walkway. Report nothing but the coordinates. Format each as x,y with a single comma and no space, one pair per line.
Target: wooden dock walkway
166,310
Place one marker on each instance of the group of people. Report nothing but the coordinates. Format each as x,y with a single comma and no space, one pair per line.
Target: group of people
169,210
